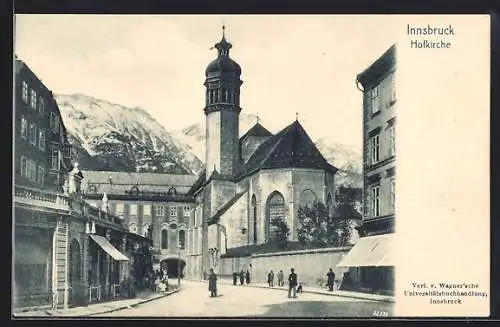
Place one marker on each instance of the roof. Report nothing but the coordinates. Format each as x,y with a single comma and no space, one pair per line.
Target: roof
198,183
290,148
378,68
225,207
113,182
257,130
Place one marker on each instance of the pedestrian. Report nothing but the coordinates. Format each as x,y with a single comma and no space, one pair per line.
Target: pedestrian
292,283
212,283
281,278
242,277
247,277
235,278
330,279
270,279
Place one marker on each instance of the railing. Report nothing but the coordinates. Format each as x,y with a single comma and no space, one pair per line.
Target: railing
52,200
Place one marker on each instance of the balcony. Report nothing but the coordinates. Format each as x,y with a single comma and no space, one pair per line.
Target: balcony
65,204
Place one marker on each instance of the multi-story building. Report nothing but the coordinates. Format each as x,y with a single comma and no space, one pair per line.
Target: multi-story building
64,250
152,205
42,152
370,260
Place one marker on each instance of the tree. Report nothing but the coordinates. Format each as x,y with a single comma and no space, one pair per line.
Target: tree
282,232
314,225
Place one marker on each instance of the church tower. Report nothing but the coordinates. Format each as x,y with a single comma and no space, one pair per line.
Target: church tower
222,110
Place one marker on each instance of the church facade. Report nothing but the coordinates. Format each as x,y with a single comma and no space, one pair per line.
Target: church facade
250,180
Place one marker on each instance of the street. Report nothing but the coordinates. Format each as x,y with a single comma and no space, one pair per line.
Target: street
242,301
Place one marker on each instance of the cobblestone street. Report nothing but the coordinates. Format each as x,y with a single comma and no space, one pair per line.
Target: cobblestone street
242,301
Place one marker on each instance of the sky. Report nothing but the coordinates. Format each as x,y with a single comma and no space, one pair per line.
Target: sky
290,64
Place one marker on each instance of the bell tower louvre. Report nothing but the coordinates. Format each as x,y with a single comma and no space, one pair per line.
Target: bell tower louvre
222,109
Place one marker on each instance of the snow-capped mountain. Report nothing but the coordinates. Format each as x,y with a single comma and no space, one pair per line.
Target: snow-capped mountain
346,158
110,136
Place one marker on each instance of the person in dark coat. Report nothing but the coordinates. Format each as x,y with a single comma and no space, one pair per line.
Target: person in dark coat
247,277
242,277
292,283
212,283
270,278
235,278
330,279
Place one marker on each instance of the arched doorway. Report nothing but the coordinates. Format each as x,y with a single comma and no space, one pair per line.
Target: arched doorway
75,273
275,208
254,218
174,266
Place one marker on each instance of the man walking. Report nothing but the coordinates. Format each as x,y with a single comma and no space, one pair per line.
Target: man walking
330,279
235,278
212,283
270,278
242,277
292,284
280,278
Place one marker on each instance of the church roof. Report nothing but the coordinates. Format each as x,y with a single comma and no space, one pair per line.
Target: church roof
290,148
224,208
256,130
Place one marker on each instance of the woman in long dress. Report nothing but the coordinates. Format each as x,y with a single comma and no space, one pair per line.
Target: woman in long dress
212,283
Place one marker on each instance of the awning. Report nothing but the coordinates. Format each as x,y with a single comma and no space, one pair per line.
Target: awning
371,251
109,248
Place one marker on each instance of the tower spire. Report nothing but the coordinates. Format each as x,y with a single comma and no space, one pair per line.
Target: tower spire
223,31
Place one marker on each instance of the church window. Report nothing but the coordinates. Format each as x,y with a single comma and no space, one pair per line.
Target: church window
186,211
164,239
182,239
254,218
275,209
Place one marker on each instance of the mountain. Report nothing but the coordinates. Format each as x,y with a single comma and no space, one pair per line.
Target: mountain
110,136
346,158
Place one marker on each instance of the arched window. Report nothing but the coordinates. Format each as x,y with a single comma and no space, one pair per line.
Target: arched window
172,191
307,198
275,208
164,239
182,239
254,218
329,204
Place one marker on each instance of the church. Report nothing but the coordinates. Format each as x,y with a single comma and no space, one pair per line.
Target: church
250,180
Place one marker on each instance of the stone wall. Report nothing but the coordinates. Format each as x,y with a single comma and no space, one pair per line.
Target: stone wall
310,265
233,220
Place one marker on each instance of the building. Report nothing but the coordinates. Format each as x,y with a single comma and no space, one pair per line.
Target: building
248,181
151,205
65,251
371,258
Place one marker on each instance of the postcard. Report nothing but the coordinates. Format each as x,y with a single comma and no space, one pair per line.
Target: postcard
246,166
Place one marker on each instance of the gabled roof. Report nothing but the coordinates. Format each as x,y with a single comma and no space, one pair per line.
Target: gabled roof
290,148
198,183
224,208
256,130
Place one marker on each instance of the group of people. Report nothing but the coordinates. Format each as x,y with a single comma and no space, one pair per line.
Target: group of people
270,278
243,276
159,280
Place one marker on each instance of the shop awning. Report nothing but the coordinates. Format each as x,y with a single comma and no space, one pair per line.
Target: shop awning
109,248
372,251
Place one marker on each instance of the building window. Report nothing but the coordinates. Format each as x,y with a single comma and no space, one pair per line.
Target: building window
41,104
54,159
32,170
33,99
41,175
159,211
375,149
41,139
393,194
164,239
119,209
392,140
133,209
375,200
24,166
182,239
146,210
186,211
24,128
173,211
275,209
392,95
375,99
32,135
25,91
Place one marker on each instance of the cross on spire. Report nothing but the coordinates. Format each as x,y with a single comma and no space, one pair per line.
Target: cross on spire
258,118
297,116
223,31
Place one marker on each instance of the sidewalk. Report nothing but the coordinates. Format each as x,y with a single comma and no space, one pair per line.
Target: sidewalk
98,308
318,290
